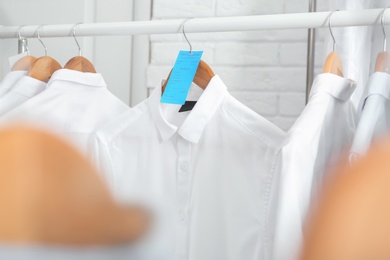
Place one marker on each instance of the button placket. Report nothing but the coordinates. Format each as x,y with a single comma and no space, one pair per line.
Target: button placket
183,193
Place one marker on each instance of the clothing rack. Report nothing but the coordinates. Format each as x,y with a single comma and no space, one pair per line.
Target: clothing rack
365,17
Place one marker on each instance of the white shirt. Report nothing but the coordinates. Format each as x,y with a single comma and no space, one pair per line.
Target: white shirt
375,119
210,169
9,80
315,141
74,104
26,88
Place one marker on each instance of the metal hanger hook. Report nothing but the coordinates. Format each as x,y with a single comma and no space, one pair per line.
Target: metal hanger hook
330,29
74,37
184,33
23,40
39,38
383,29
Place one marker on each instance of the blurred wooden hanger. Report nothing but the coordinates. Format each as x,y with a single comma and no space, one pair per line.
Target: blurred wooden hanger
382,63
26,63
333,62
45,66
203,73
79,62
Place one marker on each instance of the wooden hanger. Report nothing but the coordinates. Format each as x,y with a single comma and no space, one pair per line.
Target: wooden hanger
333,62
202,77
79,62
45,66
25,63
382,63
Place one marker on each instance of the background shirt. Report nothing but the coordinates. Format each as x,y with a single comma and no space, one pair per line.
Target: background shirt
318,137
26,88
375,119
74,104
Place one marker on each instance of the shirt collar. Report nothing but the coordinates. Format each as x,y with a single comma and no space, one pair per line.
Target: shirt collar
193,126
28,86
336,86
84,78
379,83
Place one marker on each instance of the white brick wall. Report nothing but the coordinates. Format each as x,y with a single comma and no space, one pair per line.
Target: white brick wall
265,70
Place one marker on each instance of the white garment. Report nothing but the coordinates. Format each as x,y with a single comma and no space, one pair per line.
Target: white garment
26,88
210,169
375,119
315,141
10,80
74,104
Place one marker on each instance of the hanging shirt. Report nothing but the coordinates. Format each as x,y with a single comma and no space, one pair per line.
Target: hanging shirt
74,104
375,119
26,88
210,170
9,81
318,137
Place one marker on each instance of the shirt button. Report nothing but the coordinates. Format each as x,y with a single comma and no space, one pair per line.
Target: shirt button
184,166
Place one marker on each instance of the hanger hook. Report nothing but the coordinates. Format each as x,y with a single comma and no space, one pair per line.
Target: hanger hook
383,29
39,38
74,37
185,36
330,29
23,39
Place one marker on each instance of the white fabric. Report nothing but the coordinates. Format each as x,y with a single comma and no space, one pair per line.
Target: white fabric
375,119
74,104
210,170
10,80
26,88
318,137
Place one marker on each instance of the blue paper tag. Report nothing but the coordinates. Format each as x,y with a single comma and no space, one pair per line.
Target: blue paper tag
182,74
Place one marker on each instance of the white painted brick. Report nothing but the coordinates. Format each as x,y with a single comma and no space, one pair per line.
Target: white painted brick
293,54
163,53
246,54
291,104
264,104
259,78
296,6
183,8
248,7
285,123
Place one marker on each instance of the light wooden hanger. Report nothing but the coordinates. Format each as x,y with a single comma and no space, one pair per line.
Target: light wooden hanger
333,62
79,62
45,66
382,63
26,63
203,73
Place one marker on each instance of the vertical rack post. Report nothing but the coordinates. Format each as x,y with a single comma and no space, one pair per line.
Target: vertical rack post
310,52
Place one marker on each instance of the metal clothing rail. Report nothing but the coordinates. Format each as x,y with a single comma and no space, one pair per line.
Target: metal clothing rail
202,25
